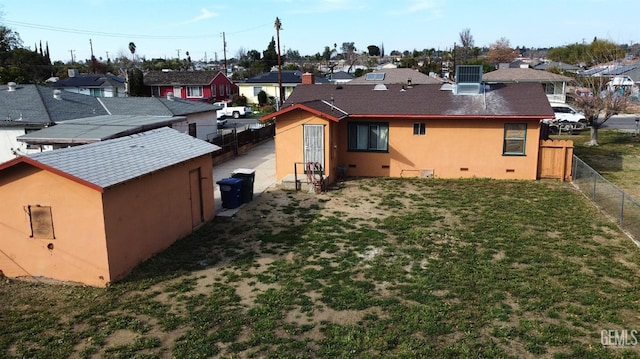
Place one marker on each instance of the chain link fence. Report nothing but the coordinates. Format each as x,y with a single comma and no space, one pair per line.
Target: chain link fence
608,197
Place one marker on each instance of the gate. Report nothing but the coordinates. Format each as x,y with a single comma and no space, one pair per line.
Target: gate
555,159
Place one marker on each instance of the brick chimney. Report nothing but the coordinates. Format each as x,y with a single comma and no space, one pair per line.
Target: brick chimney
308,79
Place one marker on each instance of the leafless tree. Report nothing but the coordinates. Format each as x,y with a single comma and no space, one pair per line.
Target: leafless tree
599,108
466,46
501,52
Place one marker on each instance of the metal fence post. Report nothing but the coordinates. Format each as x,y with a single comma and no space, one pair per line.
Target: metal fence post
595,182
622,208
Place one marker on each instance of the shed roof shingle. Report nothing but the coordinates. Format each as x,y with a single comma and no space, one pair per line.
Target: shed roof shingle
105,164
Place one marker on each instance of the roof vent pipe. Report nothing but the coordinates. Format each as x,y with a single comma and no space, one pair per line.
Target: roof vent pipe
12,86
57,94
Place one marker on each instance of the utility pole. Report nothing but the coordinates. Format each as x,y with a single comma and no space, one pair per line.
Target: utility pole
281,90
93,58
178,54
224,50
72,51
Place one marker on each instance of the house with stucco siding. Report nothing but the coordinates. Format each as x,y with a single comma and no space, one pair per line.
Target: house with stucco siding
461,130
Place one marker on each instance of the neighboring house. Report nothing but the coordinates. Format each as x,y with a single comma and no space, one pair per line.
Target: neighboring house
91,213
99,128
106,85
201,117
631,71
269,82
547,65
445,131
554,85
30,108
388,76
339,77
206,86
27,108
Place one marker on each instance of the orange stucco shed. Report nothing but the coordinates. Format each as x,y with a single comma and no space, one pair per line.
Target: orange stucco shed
91,213
399,130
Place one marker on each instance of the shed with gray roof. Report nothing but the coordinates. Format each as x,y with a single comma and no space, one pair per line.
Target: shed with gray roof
91,213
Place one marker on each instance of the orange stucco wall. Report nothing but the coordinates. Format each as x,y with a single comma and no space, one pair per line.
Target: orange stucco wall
99,237
289,142
146,215
451,148
78,253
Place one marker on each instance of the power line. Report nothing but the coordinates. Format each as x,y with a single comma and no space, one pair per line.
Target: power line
120,35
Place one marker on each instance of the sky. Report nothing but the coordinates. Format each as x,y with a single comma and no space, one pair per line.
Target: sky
170,29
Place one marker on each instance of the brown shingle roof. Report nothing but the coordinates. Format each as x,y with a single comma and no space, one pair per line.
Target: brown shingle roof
157,78
522,75
427,101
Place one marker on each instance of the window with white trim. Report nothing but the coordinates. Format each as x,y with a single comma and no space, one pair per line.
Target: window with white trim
194,91
419,129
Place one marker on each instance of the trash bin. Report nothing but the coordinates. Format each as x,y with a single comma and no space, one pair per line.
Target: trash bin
230,191
248,177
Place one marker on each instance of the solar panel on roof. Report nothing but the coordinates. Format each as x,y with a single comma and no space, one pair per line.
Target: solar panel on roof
468,74
375,76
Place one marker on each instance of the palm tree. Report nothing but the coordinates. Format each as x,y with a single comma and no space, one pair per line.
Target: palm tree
132,48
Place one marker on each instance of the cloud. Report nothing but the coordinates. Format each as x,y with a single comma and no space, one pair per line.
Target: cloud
204,14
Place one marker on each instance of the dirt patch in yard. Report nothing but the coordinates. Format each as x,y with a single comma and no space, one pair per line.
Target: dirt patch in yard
373,268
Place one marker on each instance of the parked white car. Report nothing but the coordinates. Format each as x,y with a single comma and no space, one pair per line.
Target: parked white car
568,118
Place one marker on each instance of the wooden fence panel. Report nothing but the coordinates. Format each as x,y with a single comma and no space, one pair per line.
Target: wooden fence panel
555,159
231,143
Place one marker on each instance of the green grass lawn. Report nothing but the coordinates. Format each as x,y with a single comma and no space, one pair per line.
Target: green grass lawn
393,268
617,157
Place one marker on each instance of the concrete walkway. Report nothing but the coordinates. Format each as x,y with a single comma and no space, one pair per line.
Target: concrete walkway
261,158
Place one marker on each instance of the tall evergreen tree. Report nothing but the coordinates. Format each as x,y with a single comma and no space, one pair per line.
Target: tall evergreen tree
270,56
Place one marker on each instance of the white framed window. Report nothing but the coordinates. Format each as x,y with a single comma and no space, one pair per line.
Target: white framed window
515,135
368,136
256,90
194,91
419,129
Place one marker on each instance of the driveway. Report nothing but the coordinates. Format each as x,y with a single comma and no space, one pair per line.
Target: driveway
261,159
